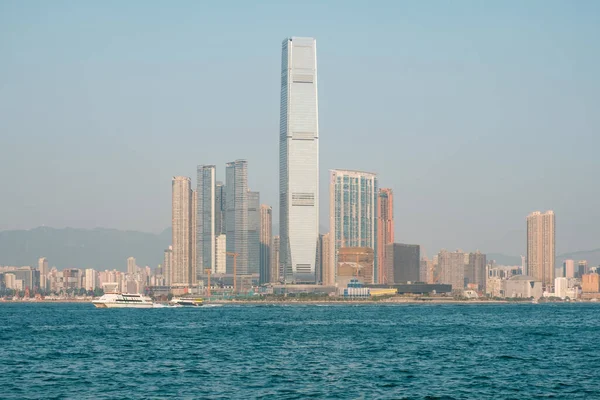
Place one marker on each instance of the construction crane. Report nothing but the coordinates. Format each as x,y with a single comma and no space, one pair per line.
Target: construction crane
235,256
207,271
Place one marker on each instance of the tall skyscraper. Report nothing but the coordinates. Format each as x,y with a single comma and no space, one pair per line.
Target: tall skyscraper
385,230
299,159
540,247
168,266
403,262
194,239
236,216
253,232
206,218
131,266
352,213
452,268
43,268
266,227
183,273
275,263
220,207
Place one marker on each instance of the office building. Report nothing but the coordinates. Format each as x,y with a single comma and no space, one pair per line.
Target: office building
131,266
266,236
253,232
206,218
385,230
194,240
590,283
452,268
299,160
276,273
569,268
220,207
582,268
183,272
522,286
352,212
236,216
426,270
560,287
403,262
540,247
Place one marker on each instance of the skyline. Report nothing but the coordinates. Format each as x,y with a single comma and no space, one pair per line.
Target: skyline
455,187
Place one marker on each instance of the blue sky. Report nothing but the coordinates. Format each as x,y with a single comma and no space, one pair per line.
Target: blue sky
475,113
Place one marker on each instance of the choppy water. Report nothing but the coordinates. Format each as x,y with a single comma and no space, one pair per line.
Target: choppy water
301,351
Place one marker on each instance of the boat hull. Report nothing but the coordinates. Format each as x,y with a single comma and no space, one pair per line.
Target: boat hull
121,305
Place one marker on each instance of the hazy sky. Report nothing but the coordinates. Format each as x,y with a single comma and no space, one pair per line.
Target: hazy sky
475,113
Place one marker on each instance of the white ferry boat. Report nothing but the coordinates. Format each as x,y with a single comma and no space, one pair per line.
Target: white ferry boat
113,299
123,300
186,302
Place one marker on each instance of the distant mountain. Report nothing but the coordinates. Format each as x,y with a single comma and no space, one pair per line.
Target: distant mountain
592,257
503,259
83,248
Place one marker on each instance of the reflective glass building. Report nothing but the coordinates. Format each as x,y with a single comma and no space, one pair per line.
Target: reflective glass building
299,160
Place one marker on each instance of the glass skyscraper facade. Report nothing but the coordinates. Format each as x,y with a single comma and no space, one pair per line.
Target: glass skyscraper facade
299,160
353,199
236,214
206,218
253,232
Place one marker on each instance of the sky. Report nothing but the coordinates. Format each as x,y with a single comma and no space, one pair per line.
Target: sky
475,113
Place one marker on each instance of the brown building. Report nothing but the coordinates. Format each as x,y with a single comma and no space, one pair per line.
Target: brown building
355,263
590,283
540,247
385,231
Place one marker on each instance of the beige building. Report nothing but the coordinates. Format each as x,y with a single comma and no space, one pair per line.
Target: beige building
328,270
355,263
452,268
277,272
540,247
131,266
221,254
183,273
590,283
43,268
522,286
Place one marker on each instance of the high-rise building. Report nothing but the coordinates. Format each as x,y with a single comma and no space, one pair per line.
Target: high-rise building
475,264
452,268
131,266
253,232
236,216
299,159
582,268
168,266
91,279
221,254
266,227
183,272
569,269
275,263
403,262
206,218
426,270
352,212
43,268
385,230
220,207
540,247
327,269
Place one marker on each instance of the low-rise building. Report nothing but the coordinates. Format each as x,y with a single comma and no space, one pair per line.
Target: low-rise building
522,286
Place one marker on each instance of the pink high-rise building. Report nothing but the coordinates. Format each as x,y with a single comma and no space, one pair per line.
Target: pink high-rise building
385,230
569,267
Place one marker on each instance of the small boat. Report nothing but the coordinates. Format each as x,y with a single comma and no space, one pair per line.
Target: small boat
123,300
534,301
186,302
